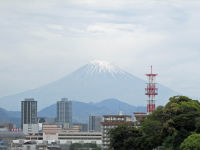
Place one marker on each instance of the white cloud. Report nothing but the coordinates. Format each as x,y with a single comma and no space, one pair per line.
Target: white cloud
43,33
111,28
55,26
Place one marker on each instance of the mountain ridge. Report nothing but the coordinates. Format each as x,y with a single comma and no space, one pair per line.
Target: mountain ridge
81,110
91,82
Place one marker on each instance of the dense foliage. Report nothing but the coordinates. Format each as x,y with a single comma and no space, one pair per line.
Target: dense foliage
167,126
124,137
192,142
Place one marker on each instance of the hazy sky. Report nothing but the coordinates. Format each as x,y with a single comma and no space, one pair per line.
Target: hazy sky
42,41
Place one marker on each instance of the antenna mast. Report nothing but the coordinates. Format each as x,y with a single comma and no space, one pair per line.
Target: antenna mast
151,92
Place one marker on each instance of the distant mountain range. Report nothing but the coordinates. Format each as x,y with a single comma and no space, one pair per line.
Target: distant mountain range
10,116
91,83
80,111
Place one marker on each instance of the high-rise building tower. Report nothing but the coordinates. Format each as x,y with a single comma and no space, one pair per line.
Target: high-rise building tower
64,112
95,123
28,112
151,92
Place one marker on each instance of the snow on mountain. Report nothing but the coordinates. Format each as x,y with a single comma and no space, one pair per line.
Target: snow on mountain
92,82
98,66
101,68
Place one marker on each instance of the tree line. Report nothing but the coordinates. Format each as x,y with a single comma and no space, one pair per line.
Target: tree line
175,126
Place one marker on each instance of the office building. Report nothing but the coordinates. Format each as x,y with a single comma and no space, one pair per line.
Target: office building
112,121
95,123
64,113
28,112
83,127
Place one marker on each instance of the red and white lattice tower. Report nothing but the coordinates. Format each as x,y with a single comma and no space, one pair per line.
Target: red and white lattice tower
151,92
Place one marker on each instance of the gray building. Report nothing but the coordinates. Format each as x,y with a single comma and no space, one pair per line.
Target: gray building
64,113
94,123
83,126
28,111
30,129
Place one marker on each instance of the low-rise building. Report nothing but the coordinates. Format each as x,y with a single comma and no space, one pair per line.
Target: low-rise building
80,137
138,117
55,133
50,131
35,137
9,136
30,129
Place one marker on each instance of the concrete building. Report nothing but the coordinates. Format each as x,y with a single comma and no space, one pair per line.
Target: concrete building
112,121
139,116
50,131
95,123
30,129
53,133
28,112
73,137
54,136
34,137
80,137
83,127
78,127
64,113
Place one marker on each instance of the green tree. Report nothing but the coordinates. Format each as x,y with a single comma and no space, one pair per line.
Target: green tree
124,137
181,116
192,142
151,134
180,105
168,126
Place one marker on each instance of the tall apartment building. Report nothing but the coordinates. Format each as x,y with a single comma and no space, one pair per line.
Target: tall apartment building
28,111
64,113
95,123
112,121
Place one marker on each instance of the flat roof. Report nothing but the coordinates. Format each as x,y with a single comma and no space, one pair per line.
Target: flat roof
117,116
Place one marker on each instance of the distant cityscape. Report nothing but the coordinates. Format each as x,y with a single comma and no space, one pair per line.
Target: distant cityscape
59,133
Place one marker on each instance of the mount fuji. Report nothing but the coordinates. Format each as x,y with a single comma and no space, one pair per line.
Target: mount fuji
95,81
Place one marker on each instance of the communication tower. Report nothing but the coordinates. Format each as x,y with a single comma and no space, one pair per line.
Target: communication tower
151,91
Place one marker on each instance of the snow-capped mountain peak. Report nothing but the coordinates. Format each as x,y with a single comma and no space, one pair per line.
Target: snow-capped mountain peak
99,66
94,81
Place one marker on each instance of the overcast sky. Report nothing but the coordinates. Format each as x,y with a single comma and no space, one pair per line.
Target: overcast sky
42,41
